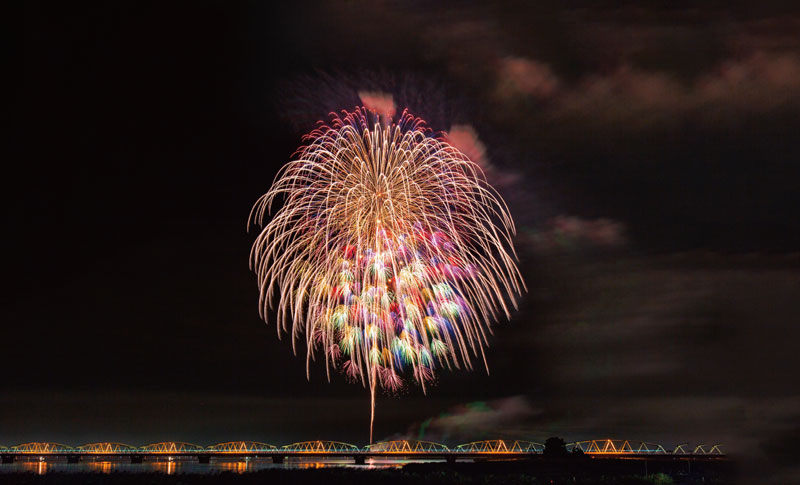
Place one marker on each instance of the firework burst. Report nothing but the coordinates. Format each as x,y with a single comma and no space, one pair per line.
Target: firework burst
391,255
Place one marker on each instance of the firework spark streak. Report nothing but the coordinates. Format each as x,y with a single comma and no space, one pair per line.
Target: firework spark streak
390,255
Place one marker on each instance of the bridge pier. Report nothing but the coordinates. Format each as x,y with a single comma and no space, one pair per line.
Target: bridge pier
73,459
204,459
137,458
9,458
277,459
360,459
450,459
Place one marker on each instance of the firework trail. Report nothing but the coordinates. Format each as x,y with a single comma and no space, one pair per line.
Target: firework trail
390,255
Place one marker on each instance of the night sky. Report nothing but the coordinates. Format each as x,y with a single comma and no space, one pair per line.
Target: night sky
648,153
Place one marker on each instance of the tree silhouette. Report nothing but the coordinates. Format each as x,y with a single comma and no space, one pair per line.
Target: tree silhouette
555,449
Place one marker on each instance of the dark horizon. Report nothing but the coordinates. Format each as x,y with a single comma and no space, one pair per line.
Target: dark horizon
647,153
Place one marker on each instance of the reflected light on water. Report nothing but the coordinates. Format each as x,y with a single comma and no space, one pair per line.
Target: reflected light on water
178,466
235,466
100,466
167,467
38,467
310,465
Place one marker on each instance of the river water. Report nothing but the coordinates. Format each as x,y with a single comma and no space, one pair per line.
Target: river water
187,465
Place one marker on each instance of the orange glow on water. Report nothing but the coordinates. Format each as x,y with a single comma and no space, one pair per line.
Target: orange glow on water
38,467
100,466
239,466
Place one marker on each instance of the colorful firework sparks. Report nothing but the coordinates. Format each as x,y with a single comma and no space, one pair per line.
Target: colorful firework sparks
390,255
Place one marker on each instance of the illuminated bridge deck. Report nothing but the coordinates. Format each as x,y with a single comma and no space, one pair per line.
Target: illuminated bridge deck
407,450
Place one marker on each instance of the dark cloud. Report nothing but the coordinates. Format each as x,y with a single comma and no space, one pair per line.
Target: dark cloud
643,325
780,445
518,77
575,233
508,418
638,99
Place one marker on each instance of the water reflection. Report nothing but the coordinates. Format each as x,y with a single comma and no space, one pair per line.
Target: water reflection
236,466
38,466
100,466
167,466
174,466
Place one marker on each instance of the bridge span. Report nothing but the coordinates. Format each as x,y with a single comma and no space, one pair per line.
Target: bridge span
407,450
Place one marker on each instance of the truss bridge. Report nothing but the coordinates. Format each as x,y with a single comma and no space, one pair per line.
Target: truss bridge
409,450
